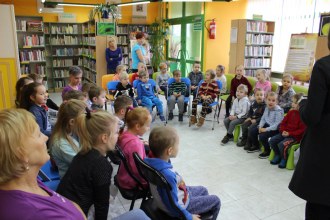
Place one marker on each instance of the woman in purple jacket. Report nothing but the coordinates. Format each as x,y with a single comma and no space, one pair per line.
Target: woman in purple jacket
113,55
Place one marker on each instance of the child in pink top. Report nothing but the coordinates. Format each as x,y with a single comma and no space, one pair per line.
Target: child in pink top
263,81
138,122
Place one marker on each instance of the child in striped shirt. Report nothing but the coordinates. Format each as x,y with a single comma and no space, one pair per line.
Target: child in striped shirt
176,92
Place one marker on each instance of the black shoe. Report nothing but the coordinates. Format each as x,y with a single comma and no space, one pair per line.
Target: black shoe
225,140
242,143
209,110
185,107
170,116
264,155
248,145
253,149
180,117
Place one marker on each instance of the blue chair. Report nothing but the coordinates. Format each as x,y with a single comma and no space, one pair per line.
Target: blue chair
49,176
111,86
186,99
151,81
214,105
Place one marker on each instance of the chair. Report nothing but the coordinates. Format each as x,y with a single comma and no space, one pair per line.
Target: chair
215,103
105,79
154,207
49,176
130,194
290,157
186,99
111,86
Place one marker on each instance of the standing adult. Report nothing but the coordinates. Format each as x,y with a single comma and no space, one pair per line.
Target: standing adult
113,55
311,179
139,53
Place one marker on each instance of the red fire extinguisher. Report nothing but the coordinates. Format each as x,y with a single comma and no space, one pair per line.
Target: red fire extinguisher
212,29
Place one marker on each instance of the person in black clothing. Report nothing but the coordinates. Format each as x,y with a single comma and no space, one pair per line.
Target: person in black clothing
311,179
124,88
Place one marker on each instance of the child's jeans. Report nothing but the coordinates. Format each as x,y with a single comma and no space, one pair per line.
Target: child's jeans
264,136
171,103
253,132
148,102
277,143
164,89
205,105
228,104
230,124
245,127
201,202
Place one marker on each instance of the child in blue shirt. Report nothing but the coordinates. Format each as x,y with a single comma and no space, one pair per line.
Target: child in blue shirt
146,94
191,200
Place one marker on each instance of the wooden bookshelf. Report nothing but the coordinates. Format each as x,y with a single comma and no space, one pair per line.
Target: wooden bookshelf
253,47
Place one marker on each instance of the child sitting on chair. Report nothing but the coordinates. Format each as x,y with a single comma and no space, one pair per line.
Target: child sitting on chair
146,95
291,131
97,96
220,75
238,113
141,67
207,93
195,77
120,106
235,82
285,93
162,78
119,70
124,88
176,93
191,200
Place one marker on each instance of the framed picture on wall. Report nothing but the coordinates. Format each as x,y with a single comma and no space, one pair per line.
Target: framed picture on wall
324,24
105,28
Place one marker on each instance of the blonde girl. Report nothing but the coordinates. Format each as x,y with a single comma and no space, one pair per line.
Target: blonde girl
64,144
263,81
138,123
220,75
285,93
119,70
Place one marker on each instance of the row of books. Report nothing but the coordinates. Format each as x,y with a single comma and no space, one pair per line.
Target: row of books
253,72
258,51
122,39
90,75
23,25
89,40
259,39
38,69
257,62
34,55
88,30
68,52
257,26
61,73
125,61
60,83
89,52
125,49
67,62
69,29
33,40
91,64
65,40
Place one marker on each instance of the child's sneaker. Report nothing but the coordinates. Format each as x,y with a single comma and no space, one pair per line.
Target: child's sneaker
282,164
253,149
162,118
200,122
180,117
193,120
170,116
248,145
241,143
264,155
226,139
276,160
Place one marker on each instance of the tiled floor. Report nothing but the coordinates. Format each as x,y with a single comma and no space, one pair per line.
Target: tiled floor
249,188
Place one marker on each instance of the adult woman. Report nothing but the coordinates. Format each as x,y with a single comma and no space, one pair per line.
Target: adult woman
22,153
311,179
113,55
138,52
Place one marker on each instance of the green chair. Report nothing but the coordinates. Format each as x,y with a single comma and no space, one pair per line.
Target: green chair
237,132
300,89
290,156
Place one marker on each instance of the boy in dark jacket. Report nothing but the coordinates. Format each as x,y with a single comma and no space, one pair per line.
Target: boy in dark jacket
195,77
257,108
124,88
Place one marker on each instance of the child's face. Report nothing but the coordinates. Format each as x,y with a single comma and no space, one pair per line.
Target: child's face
260,76
40,98
294,104
196,68
141,68
240,93
75,80
286,82
113,138
219,72
146,127
271,102
144,78
100,100
163,70
177,78
124,81
259,96
239,72
207,77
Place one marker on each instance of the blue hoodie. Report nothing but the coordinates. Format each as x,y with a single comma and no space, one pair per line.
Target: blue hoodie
272,117
146,89
179,191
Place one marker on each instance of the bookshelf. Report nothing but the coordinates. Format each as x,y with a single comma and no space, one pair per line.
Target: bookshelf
125,33
31,44
253,46
89,51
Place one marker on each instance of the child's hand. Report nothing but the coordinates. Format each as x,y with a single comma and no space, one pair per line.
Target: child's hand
232,117
285,134
253,121
248,119
145,142
196,217
261,130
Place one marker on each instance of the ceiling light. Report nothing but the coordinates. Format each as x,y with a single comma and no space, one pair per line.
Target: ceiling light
77,5
133,3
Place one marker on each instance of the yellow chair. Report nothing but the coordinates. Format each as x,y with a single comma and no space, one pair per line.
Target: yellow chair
104,81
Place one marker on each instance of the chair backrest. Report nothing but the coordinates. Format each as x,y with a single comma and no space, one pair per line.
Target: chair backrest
124,162
105,79
112,85
156,180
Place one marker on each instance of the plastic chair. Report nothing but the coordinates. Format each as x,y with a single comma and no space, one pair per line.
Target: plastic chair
111,86
216,103
186,99
105,79
49,176
157,181
237,132
290,157
130,194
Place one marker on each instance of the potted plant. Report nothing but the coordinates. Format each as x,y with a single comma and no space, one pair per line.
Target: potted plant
105,11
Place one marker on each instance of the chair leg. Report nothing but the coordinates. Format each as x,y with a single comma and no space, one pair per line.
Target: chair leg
290,161
237,132
271,155
132,204
215,115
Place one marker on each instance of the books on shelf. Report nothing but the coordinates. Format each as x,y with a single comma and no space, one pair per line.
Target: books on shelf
35,26
89,40
258,50
69,29
259,39
38,69
68,52
122,29
61,73
257,62
21,25
256,26
33,40
34,55
91,64
65,40
60,84
67,62
122,39
91,52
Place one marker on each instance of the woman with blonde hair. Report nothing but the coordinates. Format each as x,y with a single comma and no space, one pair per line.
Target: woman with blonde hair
113,55
23,152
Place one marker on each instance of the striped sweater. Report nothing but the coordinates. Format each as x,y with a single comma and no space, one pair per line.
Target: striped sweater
272,117
209,88
178,87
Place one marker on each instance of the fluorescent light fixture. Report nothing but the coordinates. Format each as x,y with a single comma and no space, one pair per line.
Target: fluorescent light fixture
187,0
77,5
133,3
43,1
